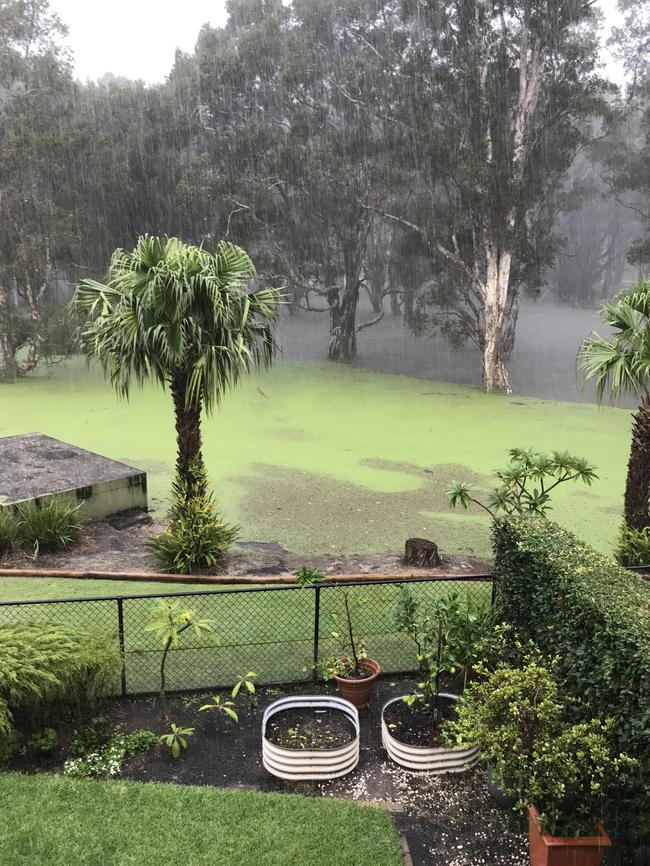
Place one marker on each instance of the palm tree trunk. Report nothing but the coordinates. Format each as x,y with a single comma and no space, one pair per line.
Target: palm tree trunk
637,486
188,436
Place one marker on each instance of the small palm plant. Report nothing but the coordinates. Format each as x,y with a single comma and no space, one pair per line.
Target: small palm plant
186,317
168,621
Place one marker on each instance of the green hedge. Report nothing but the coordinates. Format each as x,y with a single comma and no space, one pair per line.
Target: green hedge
41,663
595,616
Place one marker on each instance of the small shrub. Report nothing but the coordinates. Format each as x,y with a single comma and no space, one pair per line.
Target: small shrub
197,537
42,663
44,741
227,708
176,739
11,744
506,714
92,738
633,546
8,530
571,771
53,525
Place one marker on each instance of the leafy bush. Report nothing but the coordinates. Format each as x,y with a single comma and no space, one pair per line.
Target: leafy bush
517,718
633,546
8,530
92,738
506,714
595,616
50,526
44,741
572,768
44,662
196,538
11,744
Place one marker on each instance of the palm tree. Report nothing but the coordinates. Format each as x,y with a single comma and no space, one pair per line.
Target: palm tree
620,365
185,317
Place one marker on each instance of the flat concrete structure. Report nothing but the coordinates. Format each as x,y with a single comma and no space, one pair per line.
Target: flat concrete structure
34,467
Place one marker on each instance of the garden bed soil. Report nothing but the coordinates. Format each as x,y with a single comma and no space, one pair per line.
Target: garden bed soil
416,725
318,728
447,820
102,547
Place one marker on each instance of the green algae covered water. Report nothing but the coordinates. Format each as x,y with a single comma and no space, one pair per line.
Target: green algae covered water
327,458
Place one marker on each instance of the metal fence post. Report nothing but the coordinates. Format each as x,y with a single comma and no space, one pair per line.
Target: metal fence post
120,632
316,630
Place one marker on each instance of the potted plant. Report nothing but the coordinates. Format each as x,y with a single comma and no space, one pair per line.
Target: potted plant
571,770
353,671
557,771
412,724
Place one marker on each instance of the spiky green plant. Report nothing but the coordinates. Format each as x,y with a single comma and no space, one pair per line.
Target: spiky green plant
48,526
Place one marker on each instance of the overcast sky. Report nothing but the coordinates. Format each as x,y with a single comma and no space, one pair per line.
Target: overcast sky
138,38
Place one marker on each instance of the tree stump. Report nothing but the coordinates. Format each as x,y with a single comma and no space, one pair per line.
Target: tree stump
421,552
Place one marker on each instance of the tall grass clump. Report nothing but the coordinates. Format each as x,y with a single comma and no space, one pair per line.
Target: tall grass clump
43,663
196,538
49,526
8,530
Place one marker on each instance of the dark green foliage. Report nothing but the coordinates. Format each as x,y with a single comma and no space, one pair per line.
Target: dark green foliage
42,663
516,716
633,546
8,530
44,741
196,538
595,616
91,738
49,526
11,743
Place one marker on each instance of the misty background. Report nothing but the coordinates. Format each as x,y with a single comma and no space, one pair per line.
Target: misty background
338,142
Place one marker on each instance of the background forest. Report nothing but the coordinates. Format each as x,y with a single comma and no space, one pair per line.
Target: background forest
425,162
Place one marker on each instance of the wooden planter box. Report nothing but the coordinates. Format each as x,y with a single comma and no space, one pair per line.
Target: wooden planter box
547,850
304,764
424,759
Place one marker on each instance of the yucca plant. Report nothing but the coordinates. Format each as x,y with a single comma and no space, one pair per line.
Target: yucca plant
197,537
49,526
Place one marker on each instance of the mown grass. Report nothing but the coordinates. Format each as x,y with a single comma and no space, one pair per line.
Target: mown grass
53,821
270,632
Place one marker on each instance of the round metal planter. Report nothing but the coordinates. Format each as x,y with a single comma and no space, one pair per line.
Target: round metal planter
425,759
305,764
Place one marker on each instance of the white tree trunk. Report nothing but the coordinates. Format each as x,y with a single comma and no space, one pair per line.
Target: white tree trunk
495,296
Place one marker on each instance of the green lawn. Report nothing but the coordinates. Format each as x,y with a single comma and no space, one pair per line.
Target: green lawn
323,457
53,821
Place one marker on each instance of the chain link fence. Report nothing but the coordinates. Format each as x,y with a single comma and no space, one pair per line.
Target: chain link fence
277,631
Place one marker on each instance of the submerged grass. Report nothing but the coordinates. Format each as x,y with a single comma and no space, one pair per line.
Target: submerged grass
323,457
62,822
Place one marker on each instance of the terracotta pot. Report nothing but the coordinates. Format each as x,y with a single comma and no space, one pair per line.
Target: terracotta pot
359,691
547,850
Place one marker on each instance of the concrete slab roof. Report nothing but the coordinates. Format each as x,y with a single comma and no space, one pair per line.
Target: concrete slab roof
33,465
